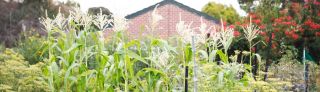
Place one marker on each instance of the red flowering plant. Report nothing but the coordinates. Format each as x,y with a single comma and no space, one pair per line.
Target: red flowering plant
312,16
287,29
242,44
310,22
291,25
237,43
236,33
296,24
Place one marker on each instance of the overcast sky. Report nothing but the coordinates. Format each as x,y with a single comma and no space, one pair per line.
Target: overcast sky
125,7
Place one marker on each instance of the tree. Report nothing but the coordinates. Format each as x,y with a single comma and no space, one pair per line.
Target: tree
97,10
289,23
218,11
14,14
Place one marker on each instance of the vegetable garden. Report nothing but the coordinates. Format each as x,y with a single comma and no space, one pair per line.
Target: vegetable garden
77,55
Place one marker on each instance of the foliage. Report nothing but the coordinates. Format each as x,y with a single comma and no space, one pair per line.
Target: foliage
318,81
226,77
32,47
83,60
288,23
96,11
290,71
17,75
219,11
22,15
2,47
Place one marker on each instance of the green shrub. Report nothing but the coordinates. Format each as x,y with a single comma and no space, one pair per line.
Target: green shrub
288,74
17,75
32,47
318,81
2,47
223,78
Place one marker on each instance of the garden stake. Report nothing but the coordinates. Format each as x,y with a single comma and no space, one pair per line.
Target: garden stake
307,77
255,68
186,79
195,65
305,67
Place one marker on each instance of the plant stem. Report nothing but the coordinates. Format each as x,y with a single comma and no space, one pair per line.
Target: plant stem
51,78
125,65
250,55
241,62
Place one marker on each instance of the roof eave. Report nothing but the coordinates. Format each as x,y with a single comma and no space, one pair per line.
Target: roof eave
180,5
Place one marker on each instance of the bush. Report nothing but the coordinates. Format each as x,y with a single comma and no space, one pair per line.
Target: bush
289,69
223,78
17,75
32,47
2,47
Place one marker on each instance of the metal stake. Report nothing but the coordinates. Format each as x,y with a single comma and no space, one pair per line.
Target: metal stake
195,65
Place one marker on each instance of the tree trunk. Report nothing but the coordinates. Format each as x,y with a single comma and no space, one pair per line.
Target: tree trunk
268,57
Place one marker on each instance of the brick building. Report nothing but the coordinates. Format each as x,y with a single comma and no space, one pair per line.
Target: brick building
170,10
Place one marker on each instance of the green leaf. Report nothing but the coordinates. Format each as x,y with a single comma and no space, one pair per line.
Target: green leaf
258,57
86,73
155,71
203,54
74,46
188,53
136,56
223,56
158,85
155,42
54,67
65,62
248,67
212,55
132,43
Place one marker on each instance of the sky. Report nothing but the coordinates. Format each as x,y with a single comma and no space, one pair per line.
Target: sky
126,7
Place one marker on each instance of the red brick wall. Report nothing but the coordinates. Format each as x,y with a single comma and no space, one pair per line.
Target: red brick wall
167,26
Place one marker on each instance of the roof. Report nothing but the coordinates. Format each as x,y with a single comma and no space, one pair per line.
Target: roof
180,5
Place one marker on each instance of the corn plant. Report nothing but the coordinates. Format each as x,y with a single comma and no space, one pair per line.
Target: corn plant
226,37
72,47
251,32
80,58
